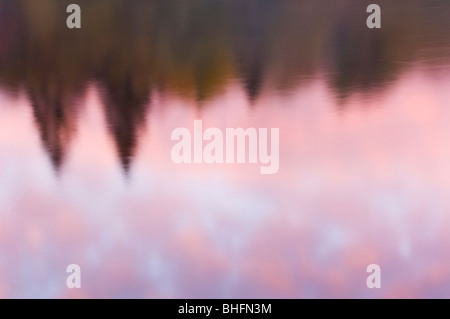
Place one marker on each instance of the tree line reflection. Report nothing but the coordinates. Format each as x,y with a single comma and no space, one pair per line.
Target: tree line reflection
196,48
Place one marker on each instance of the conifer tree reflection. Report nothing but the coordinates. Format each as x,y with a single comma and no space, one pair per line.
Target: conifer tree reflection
195,49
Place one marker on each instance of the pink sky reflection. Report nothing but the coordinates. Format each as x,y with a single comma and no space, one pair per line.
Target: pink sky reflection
367,185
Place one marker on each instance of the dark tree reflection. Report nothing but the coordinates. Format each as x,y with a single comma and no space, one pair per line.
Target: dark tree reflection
196,48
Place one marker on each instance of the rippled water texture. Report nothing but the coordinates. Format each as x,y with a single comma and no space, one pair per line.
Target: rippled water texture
86,174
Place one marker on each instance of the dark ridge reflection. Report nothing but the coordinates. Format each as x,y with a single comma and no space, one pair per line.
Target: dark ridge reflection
195,49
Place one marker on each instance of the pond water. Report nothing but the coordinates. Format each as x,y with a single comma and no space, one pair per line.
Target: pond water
87,178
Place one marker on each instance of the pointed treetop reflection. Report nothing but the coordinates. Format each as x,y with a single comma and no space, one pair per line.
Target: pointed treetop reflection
196,49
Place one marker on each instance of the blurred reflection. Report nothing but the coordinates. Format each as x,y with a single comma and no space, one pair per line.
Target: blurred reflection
355,186
195,49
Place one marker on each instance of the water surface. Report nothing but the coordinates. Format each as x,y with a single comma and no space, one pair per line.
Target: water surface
86,175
